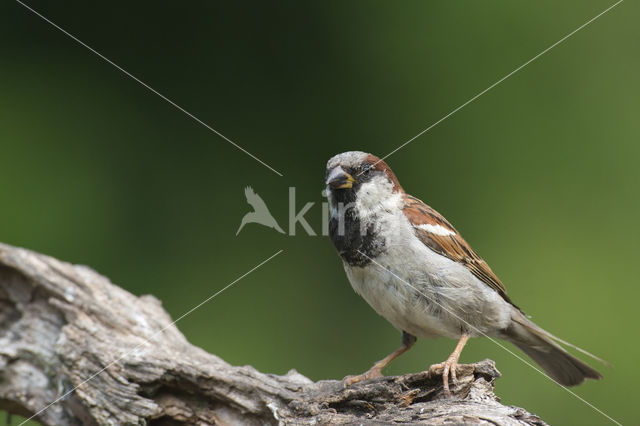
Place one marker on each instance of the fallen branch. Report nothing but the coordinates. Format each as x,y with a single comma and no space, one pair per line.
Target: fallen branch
93,353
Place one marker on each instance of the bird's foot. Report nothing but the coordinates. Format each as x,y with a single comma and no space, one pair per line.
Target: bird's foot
446,368
372,373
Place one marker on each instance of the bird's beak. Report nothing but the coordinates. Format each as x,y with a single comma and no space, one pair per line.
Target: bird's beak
339,179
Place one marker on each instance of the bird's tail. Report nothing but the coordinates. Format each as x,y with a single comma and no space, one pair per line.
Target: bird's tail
541,346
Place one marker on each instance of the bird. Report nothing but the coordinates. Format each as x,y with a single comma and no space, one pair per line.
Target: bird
415,270
261,213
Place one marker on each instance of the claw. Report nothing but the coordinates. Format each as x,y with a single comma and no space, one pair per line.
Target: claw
373,373
454,369
376,371
448,367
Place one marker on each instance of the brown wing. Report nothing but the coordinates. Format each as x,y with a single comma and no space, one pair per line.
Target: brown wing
440,236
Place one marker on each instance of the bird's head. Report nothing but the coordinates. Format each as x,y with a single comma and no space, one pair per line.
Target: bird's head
356,175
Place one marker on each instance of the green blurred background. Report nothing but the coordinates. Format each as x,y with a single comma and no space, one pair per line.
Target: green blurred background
540,174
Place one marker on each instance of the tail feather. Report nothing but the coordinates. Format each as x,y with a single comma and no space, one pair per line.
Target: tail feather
538,344
564,342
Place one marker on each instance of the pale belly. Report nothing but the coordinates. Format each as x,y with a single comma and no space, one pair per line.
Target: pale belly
429,295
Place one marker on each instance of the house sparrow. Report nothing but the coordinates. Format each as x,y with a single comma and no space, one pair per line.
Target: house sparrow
415,270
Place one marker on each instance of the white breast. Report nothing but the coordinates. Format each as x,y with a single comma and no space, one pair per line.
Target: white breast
422,292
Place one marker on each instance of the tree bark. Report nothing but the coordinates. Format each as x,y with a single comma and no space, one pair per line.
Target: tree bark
92,353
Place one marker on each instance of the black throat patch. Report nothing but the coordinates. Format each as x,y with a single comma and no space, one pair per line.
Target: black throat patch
355,243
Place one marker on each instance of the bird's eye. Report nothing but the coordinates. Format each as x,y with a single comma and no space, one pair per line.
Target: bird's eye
366,169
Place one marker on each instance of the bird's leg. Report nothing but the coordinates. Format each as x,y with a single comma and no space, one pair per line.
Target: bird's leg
376,371
450,365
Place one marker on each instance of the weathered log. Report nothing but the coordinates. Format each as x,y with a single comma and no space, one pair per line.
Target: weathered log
76,349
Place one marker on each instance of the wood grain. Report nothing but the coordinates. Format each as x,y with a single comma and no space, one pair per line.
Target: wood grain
107,357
